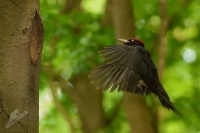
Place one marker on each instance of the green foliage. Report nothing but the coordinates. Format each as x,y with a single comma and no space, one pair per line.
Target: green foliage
71,46
74,40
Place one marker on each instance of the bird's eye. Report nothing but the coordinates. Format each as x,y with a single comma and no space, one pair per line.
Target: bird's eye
132,40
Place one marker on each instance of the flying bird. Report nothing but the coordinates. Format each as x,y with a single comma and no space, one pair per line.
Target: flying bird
129,68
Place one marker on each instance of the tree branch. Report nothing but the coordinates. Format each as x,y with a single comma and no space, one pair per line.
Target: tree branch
162,44
162,37
61,109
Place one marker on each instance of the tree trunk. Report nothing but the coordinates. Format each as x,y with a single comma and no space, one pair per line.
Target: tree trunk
88,101
123,18
72,5
135,106
21,38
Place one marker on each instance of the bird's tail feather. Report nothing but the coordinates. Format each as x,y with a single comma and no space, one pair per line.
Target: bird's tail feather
165,101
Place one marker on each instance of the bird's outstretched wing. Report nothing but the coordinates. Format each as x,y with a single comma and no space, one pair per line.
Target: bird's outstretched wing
127,69
130,69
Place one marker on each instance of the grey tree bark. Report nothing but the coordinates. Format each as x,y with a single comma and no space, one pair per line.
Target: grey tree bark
21,40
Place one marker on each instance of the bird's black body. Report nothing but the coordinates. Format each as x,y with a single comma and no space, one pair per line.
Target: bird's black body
129,68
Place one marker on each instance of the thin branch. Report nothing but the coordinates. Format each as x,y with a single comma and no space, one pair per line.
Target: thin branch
61,109
162,37
162,43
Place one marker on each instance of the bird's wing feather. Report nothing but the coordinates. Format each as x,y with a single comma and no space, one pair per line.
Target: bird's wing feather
125,69
134,58
130,69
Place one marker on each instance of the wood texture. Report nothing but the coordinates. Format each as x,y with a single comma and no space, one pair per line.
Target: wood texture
19,77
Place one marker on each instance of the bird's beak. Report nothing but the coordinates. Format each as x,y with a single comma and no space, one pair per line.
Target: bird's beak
123,40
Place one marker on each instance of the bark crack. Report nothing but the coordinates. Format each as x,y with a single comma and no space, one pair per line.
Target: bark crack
2,110
36,38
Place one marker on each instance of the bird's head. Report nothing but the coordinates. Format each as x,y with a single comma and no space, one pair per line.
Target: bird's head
132,41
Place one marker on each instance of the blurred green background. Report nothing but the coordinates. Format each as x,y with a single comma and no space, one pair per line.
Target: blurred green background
74,32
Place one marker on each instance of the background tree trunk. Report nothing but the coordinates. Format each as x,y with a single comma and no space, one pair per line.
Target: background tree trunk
72,5
89,102
85,96
135,106
162,41
21,38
